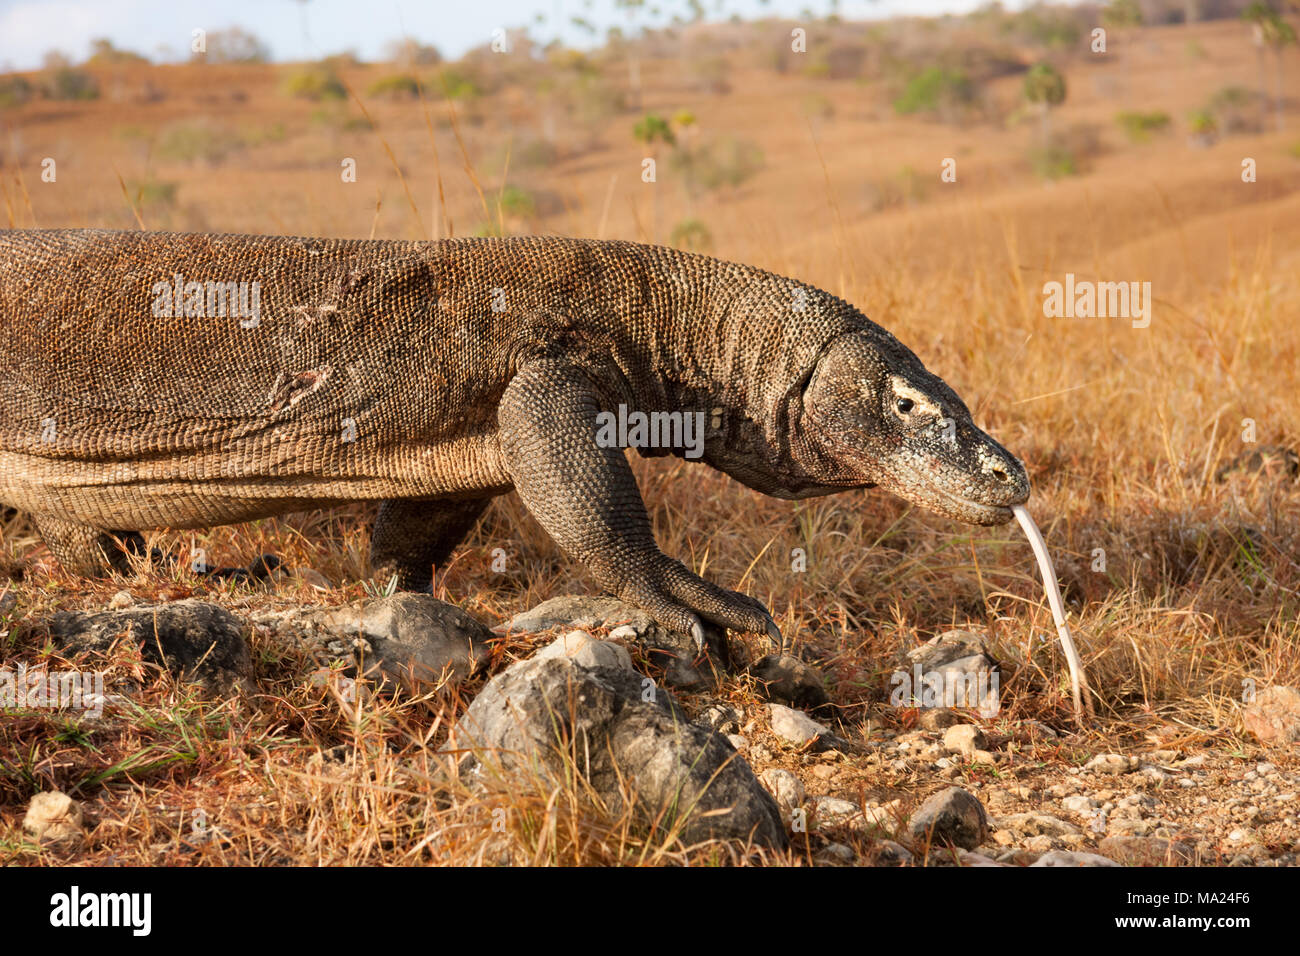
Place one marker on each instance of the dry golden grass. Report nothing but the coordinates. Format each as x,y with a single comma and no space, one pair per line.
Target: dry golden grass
1124,431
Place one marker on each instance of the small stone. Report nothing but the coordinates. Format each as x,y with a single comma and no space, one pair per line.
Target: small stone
964,739
951,816
740,743
1079,803
794,726
1111,763
937,718
788,680
836,854
1148,851
889,853
312,579
1274,716
585,651
53,817
120,600
784,787
1072,858
834,810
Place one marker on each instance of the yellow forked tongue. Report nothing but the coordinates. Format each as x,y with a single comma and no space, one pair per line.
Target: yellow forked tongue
1078,682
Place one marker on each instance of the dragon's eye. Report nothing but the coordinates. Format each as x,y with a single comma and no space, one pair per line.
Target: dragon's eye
904,405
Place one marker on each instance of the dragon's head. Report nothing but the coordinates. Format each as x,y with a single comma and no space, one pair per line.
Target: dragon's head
877,416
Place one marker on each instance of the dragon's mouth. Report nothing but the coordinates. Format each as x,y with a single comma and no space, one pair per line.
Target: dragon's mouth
953,505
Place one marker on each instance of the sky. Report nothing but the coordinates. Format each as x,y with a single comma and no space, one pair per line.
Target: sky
160,29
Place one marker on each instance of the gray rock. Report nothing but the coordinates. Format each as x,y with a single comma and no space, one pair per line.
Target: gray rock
889,853
959,663
785,788
1149,851
788,680
533,716
794,726
1036,824
951,816
1072,858
671,652
1112,764
413,639
198,642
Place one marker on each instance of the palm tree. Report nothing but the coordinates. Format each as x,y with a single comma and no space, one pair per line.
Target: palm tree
1121,16
1044,86
1270,30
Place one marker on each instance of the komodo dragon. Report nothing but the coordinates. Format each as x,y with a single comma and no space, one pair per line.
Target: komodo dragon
433,376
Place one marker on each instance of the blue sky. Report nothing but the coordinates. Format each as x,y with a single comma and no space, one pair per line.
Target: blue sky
293,30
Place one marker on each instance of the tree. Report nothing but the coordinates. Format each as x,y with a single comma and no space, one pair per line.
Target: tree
1121,16
633,60
1044,87
1270,30
652,130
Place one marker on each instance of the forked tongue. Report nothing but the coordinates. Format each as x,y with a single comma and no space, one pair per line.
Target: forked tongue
1078,681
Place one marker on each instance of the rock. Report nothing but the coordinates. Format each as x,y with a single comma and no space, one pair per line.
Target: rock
785,788
889,853
836,854
740,743
788,680
1035,824
1112,763
1080,804
121,599
1274,461
965,739
834,811
313,579
951,816
415,639
953,669
196,641
794,726
1274,715
1072,858
632,745
585,650
967,858
53,817
721,718
937,718
671,652
1149,851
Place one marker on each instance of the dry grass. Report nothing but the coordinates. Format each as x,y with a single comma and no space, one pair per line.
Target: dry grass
1124,430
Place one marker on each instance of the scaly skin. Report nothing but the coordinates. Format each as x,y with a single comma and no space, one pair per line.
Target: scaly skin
433,376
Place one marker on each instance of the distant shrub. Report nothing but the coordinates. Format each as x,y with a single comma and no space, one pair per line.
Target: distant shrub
315,82
235,45
152,192
533,153
934,90
15,91
692,235
70,84
1236,109
708,74
397,86
195,142
457,84
1053,162
517,203
724,162
818,106
1139,127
